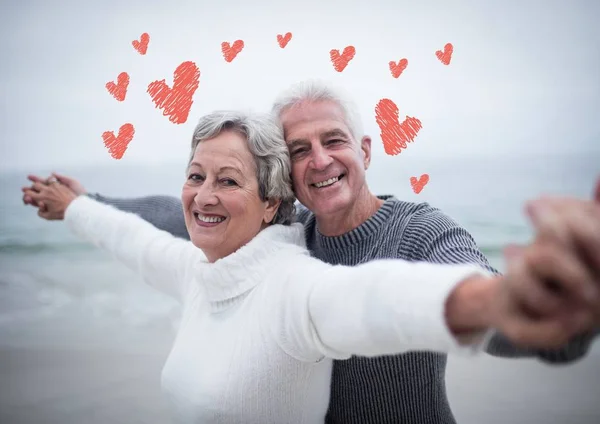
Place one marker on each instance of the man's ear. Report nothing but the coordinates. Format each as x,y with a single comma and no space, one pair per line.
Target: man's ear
365,146
271,210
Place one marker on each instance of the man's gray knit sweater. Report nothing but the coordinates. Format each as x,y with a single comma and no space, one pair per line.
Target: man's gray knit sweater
408,388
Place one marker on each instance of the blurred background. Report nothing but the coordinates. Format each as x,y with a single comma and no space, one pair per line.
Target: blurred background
514,116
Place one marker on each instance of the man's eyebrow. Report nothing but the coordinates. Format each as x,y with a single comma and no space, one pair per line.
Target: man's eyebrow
297,142
334,133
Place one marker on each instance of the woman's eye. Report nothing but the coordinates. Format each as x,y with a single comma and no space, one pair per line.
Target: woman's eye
196,177
228,182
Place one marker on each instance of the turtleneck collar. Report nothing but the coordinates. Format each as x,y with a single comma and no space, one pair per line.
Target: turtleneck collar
230,277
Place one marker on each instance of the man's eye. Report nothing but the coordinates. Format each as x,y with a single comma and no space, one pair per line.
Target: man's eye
335,141
299,152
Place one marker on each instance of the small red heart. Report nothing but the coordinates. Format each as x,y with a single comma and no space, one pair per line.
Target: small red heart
394,134
417,185
142,45
398,68
231,51
283,40
341,61
176,102
119,90
446,55
117,145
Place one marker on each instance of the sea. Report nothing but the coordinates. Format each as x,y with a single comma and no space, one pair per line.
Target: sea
49,275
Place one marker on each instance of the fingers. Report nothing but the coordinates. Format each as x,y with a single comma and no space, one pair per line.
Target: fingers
572,223
552,333
36,179
550,264
62,178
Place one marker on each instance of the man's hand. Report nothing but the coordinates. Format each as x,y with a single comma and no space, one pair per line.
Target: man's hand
52,199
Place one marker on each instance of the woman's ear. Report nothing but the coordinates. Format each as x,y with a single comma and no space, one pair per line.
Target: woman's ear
271,209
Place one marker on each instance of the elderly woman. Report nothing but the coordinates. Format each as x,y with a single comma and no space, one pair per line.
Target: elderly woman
261,319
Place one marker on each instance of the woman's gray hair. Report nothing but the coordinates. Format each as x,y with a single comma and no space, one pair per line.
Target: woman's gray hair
267,145
315,90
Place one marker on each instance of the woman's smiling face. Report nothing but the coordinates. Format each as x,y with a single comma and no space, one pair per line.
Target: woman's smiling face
221,201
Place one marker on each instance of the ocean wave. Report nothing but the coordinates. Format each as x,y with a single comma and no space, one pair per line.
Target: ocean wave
43,247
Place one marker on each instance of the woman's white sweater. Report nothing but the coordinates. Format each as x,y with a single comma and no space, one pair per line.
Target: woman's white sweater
260,327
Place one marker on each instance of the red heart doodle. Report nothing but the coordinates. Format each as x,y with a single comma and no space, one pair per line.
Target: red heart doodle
284,39
119,90
117,145
417,185
341,61
394,134
176,102
397,69
446,55
142,45
231,51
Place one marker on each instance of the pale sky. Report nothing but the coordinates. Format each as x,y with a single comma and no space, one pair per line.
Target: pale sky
524,76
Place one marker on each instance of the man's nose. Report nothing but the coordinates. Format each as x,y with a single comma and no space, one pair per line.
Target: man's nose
320,159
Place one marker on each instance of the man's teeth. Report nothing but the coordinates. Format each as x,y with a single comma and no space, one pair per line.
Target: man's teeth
210,218
327,183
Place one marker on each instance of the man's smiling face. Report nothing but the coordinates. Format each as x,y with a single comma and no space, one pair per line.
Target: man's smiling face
328,163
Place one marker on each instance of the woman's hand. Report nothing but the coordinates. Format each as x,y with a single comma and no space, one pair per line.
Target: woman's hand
51,198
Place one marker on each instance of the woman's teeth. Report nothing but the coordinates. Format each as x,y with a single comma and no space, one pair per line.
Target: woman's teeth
210,219
327,183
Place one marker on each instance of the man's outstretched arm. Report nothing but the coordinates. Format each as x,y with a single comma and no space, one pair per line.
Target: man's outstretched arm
164,212
435,237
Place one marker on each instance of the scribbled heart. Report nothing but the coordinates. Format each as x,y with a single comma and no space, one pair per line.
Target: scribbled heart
176,102
417,185
117,145
231,51
340,61
397,68
394,134
142,45
446,55
119,90
284,39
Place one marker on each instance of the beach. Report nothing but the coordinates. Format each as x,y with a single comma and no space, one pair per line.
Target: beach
95,386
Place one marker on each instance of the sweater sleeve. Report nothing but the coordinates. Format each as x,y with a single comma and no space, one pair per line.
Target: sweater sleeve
164,212
381,307
435,237
160,258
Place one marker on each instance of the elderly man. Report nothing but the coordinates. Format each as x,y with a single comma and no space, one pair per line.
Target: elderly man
347,224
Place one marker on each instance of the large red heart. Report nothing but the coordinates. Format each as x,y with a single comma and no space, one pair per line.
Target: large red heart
142,45
117,145
284,39
340,61
397,69
119,90
417,185
446,55
231,51
176,102
394,134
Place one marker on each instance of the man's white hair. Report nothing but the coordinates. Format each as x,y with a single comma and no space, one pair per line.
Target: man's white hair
316,91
